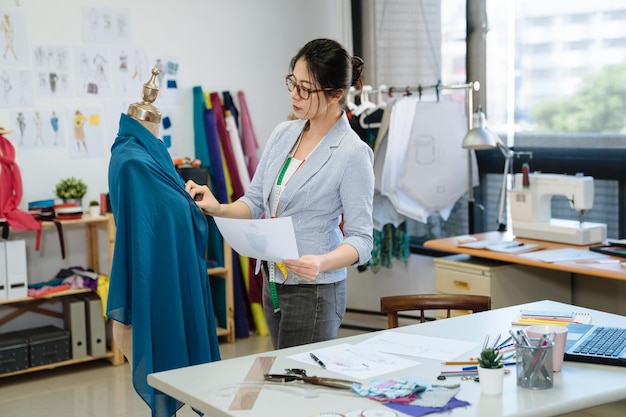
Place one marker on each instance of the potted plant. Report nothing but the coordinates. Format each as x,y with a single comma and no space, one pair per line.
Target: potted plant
71,189
491,371
94,208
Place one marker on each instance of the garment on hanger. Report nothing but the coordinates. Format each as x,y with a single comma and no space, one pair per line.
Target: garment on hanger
425,166
158,278
434,165
390,238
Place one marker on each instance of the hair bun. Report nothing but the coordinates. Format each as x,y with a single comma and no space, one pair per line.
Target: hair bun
357,71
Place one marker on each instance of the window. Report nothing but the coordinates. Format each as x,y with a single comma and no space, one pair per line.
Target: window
570,56
556,77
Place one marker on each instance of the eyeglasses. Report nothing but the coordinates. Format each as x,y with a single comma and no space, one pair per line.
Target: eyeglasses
303,92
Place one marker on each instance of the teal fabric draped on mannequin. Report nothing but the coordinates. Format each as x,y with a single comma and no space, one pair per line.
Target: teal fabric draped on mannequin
158,283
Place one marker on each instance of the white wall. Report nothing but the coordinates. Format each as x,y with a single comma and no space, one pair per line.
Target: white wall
220,45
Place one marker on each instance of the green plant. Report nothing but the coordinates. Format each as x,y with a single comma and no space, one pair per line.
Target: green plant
93,203
70,188
490,358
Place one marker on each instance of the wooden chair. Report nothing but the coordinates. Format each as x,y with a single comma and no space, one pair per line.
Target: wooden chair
391,305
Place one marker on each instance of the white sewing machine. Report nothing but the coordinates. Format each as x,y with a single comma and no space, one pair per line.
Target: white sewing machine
531,211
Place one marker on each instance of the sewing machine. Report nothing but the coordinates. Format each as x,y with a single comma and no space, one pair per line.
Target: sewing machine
531,209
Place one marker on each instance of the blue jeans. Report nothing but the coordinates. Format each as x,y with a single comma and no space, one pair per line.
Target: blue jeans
308,312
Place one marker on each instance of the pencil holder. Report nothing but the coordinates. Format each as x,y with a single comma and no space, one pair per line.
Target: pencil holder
534,365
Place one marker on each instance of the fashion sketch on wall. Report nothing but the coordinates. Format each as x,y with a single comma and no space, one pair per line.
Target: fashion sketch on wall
14,50
93,71
51,67
106,25
130,70
86,137
39,129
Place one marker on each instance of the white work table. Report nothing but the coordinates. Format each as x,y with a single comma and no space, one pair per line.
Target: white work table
211,387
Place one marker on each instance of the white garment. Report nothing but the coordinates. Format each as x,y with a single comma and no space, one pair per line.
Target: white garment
384,212
401,121
434,168
425,167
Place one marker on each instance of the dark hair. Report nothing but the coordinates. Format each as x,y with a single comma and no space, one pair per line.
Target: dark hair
331,66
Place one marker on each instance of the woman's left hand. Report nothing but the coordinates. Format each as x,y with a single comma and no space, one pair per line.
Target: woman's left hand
307,267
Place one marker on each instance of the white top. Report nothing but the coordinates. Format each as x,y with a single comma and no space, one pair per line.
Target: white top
211,387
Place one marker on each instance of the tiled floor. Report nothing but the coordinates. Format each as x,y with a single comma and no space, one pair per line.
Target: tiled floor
97,389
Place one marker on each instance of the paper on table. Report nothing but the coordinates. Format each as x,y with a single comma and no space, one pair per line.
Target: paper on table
513,247
354,361
562,255
266,239
419,346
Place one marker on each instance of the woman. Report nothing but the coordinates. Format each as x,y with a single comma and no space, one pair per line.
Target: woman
318,171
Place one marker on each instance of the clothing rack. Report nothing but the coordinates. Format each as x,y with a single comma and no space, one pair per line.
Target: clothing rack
419,89
469,100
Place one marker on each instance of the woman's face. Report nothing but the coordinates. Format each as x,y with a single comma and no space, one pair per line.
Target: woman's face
310,108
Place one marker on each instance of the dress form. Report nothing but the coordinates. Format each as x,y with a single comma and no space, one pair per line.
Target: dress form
150,118
144,111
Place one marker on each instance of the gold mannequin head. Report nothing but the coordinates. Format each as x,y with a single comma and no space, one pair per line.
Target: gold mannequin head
144,111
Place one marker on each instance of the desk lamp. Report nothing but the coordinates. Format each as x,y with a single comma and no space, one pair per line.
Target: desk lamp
480,138
477,138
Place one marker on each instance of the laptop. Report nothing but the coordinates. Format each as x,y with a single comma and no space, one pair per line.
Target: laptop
605,345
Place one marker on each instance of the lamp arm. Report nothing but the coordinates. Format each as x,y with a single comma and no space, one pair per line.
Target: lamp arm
508,155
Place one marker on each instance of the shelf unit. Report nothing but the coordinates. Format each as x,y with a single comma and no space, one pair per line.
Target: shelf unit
37,305
114,355
226,273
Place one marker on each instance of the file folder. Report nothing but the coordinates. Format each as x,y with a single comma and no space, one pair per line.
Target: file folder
96,330
74,319
17,281
3,272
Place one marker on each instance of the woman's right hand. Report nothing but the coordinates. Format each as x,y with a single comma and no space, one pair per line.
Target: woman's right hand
203,196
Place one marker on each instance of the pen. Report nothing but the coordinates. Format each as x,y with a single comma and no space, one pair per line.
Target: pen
475,367
317,360
513,245
505,343
459,363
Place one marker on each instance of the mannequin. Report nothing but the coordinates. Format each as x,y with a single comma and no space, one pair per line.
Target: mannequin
159,295
150,118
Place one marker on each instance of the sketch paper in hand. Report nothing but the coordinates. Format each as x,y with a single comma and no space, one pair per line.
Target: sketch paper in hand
265,239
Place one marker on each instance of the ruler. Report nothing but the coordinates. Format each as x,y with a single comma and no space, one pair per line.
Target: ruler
247,394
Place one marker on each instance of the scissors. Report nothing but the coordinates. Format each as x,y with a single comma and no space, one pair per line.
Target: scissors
298,374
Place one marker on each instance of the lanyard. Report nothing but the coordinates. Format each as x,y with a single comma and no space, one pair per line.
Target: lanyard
271,266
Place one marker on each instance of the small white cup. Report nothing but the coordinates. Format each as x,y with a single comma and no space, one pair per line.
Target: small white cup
558,351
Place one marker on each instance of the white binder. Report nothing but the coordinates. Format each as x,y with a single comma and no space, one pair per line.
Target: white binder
17,279
3,272
74,319
96,331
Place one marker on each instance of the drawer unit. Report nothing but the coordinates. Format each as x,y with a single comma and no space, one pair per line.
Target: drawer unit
506,283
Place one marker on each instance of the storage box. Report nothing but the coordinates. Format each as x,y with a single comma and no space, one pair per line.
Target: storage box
13,352
47,344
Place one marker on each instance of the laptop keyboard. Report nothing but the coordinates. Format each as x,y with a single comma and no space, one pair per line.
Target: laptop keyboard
604,341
